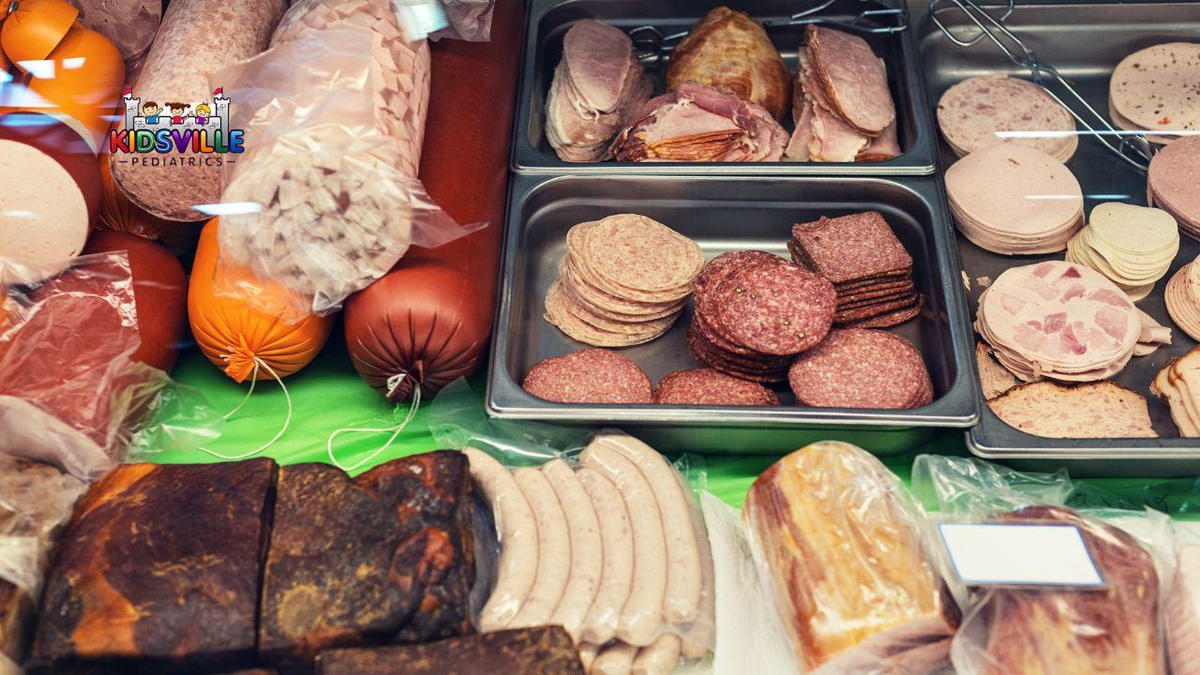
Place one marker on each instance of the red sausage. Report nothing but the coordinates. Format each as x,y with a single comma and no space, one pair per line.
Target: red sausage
431,316
160,291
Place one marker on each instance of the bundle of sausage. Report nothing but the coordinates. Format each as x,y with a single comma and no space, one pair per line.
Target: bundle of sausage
615,551
842,106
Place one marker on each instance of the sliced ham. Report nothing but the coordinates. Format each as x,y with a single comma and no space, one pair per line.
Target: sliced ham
854,78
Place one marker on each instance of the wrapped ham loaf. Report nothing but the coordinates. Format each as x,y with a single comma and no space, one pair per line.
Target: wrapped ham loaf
197,38
852,578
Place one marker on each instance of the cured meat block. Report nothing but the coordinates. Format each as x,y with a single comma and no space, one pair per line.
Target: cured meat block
546,650
853,581
384,557
160,563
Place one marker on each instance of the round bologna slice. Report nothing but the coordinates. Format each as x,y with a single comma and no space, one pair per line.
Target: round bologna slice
861,368
706,386
1174,176
43,215
1155,88
774,309
589,376
973,114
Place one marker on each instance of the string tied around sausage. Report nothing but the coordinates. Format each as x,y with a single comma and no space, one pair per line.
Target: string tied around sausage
414,404
258,363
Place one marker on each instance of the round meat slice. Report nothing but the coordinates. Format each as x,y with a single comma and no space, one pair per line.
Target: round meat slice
973,114
715,270
1155,88
705,386
640,256
1174,176
861,368
774,309
43,215
589,376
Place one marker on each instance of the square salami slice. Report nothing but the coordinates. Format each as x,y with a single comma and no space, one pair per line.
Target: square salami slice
857,246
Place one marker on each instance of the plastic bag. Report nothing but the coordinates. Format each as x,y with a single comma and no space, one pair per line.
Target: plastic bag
326,197
652,601
469,20
1051,630
70,394
1181,607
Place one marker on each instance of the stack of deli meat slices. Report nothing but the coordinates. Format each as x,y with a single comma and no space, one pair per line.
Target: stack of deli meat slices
1183,299
1171,183
1058,320
623,282
1014,200
1178,385
1153,91
754,311
598,85
980,112
1131,245
867,265
842,107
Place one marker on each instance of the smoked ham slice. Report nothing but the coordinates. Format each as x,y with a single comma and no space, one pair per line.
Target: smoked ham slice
853,581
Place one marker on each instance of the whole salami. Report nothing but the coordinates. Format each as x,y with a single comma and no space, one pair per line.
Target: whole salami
197,38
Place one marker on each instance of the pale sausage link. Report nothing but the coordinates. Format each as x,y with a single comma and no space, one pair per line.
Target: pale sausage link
698,636
615,659
604,616
659,658
554,549
518,534
587,655
642,616
587,554
681,603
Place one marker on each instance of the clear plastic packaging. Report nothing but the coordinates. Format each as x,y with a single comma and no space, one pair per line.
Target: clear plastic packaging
1181,607
326,197
1055,630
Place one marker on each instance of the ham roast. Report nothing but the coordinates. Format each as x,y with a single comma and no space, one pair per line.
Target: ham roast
695,123
730,52
598,85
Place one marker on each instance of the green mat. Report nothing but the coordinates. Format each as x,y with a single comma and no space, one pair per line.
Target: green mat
329,395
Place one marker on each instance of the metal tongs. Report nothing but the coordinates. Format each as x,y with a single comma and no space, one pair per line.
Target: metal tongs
1132,148
652,45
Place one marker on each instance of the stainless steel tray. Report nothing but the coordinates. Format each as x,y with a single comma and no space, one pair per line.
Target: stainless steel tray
550,19
1085,42
723,214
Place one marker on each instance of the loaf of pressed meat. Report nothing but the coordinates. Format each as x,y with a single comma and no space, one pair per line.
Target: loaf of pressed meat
853,581
531,651
381,558
159,567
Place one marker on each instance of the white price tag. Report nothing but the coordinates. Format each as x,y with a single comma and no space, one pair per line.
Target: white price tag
1019,554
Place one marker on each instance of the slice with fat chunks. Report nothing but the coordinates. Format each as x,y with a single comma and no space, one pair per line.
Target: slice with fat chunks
853,77
387,556
544,649
151,548
1155,88
589,376
979,112
729,51
841,538
1089,410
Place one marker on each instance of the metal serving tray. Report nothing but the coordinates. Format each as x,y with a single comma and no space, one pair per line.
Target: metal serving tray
1085,42
550,19
723,214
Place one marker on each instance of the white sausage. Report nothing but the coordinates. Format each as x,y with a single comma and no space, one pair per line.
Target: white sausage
518,534
681,603
615,659
554,549
659,658
698,637
604,616
587,554
642,615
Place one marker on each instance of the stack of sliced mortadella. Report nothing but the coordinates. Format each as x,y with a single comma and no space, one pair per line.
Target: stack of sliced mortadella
1058,320
1171,183
1015,200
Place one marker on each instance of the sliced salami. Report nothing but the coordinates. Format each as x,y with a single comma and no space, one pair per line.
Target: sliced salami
589,376
775,309
859,368
706,386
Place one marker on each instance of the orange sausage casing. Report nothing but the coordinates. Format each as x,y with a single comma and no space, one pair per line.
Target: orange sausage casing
431,316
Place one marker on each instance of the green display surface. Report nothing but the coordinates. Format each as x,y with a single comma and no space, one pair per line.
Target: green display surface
329,395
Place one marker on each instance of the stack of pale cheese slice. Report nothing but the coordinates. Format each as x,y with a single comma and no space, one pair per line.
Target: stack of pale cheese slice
1131,245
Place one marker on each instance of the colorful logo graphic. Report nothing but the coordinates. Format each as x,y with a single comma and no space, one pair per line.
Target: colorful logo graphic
176,128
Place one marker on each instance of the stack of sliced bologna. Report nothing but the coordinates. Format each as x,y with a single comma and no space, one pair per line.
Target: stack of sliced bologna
623,281
1178,385
755,311
867,265
614,550
1171,183
1154,91
1058,320
1014,200
980,112
1131,245
1183,299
